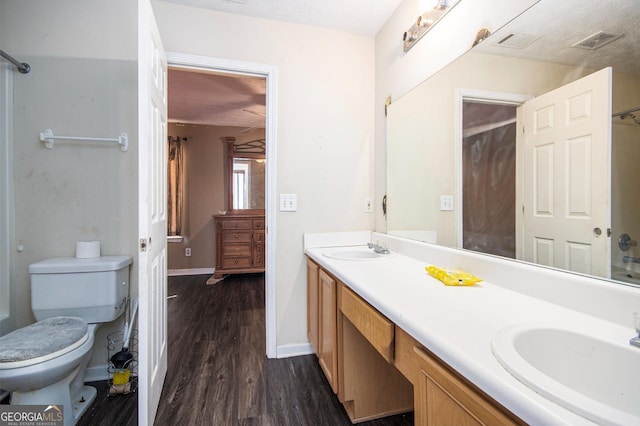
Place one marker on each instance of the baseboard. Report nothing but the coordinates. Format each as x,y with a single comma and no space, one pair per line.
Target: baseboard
97,373
193,271
286,351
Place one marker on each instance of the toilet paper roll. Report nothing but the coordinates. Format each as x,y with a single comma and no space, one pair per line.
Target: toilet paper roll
87,249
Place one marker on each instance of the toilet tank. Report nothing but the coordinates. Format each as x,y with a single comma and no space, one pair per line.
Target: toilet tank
92,289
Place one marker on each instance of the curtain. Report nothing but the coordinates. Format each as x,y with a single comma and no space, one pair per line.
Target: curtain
489,195
175,186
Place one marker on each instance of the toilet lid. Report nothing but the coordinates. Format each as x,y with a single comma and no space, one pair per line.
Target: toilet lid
42,341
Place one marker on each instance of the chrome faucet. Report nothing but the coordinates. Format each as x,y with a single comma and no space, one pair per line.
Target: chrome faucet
378,248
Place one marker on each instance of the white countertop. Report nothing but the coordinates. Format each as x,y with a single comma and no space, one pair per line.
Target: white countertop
457,324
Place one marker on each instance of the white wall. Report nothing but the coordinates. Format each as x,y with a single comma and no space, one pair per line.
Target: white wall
398,72
324,129
83,82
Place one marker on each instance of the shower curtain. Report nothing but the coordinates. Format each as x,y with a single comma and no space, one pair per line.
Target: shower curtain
175,185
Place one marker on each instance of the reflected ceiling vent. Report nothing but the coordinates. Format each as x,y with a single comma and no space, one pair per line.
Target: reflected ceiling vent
597,40
517,41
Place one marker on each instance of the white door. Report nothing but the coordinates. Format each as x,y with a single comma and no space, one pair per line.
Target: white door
567,140
152,258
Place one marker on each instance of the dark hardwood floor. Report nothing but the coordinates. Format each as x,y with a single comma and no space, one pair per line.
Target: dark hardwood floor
218,373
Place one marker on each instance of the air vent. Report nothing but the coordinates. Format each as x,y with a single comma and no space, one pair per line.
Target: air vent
517,41
597,40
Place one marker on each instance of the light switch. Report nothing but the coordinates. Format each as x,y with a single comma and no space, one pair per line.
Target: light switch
288,202
446,202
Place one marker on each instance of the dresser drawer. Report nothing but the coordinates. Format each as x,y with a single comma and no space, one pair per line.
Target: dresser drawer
236,224
374,326
236,250
237,237
258,260
236,262
258,225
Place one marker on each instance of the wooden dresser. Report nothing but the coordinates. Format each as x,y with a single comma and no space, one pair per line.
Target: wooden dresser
240,244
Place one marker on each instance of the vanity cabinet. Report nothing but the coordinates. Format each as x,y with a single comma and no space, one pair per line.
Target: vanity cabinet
370,385
377,369
240,244
443,397
327,318
313,294
354,345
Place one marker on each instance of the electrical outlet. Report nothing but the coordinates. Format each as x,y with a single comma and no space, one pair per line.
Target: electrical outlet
368,205
187,251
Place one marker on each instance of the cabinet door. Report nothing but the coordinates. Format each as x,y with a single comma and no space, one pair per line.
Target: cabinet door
443,398
327,351
312,304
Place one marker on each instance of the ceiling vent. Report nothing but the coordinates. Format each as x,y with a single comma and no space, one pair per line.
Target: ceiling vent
517,41
597,40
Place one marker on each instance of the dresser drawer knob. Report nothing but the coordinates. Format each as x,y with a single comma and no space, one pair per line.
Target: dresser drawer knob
236,236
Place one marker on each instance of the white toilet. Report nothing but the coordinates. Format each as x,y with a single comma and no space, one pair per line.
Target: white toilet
45,363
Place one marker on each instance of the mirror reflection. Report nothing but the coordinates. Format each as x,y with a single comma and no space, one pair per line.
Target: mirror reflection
246,163
248,183
526,146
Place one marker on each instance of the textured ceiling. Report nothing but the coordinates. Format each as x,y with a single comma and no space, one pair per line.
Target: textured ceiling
364,17
556,25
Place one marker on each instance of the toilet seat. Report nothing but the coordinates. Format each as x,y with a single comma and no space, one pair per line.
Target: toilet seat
42,341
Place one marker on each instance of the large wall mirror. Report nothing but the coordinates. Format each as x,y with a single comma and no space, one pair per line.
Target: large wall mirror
246,165
528,145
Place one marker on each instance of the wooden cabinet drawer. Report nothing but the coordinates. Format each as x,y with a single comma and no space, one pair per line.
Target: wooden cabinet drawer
236,250
236,262
236,224
258,224
443,396
238,237
374,326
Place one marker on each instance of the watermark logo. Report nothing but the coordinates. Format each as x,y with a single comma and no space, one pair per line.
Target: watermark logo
31,415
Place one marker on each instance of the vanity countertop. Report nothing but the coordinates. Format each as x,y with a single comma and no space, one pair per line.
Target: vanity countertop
458,323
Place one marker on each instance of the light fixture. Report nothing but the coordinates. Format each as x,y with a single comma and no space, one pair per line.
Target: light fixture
426,21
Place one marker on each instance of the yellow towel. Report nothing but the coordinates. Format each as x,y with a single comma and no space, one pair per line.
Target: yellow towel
452,278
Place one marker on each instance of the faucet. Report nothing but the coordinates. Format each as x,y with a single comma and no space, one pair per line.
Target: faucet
635,341
378,248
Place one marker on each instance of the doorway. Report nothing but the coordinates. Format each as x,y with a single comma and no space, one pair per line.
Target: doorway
489,178
209,65
487,156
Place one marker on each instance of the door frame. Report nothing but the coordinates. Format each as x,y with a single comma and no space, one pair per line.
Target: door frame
208,63
489,97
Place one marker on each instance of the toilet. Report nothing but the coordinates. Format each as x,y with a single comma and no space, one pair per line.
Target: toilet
45,363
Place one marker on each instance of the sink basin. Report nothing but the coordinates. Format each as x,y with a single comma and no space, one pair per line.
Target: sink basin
357,253
597,379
